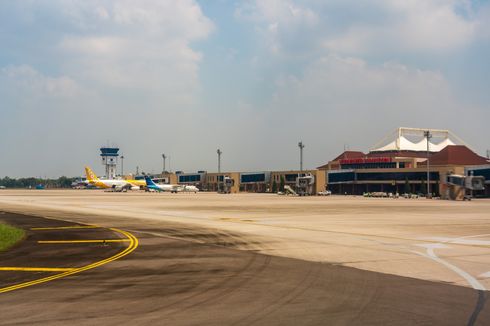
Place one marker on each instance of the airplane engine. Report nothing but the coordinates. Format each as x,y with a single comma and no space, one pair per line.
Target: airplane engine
135,188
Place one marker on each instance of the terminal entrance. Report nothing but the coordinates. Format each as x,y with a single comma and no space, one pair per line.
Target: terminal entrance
400,188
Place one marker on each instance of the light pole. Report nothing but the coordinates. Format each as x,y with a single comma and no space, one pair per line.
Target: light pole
301,146
122,165
428,136
163,157
219,152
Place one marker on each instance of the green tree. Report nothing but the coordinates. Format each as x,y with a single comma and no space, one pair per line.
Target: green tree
407,186
61,182
64,182
423,187
281,184
274,186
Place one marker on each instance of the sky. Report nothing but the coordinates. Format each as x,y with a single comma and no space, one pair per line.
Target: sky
252,78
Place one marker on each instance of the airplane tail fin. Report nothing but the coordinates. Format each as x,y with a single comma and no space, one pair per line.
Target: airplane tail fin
149,182
90,174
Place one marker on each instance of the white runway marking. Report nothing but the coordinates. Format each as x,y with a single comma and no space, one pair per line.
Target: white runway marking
432,255
463,241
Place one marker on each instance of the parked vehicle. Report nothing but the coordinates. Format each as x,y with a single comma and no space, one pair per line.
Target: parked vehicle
324,193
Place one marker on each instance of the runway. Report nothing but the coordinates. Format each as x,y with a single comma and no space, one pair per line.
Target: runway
263,259
173,279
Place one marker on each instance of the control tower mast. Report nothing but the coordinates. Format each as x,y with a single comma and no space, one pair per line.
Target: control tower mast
109,159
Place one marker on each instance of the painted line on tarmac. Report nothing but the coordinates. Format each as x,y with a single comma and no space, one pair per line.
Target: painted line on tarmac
132,246
82,241
480,304
67,227
432,255
37,269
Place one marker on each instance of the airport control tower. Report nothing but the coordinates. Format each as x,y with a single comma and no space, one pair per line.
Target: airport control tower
109,159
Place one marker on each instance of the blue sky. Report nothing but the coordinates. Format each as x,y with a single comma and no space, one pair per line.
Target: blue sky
251,77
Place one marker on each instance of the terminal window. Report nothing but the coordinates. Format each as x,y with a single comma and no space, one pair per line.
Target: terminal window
248,178
190,178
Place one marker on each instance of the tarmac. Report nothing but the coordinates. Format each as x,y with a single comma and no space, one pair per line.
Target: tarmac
249,259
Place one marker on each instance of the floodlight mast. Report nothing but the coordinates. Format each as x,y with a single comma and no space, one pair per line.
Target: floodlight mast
301,146
219,152
428,136
122,165
163,158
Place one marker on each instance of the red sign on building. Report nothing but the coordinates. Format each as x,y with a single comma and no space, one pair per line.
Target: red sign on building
366,160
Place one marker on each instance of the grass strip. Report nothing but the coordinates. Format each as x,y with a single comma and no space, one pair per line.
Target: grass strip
9,236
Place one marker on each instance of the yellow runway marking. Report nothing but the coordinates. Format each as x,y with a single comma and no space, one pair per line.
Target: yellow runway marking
83,241
67,227
36,269
132,246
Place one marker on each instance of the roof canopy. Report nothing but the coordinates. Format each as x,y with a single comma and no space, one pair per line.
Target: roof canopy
414,139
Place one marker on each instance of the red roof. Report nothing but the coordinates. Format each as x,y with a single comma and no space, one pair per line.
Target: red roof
349,154
343,156
457,155
450,155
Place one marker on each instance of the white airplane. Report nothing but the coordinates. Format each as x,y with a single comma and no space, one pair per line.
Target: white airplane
166,187
116,184
186,188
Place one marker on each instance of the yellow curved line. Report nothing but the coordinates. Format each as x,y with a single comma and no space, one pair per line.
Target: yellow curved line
35,269
81,241
132,246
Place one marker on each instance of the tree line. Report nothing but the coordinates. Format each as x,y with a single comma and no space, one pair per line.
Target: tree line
61,182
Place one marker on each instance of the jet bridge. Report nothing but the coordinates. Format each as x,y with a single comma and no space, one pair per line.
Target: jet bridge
305,184
460,186
226,185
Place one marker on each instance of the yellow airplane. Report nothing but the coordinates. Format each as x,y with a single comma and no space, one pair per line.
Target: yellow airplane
116,184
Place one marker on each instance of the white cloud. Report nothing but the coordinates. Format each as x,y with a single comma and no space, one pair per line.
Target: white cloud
91,70
27,81
354,27
137,44
346,85
279,21
277,11
337,99
417,25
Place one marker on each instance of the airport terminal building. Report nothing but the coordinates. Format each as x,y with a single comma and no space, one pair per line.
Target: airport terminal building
259,181
397,164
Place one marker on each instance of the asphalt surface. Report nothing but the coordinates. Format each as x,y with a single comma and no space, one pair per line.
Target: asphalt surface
183,276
